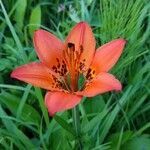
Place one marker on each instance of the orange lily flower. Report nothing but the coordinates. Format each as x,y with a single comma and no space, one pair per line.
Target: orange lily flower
61,65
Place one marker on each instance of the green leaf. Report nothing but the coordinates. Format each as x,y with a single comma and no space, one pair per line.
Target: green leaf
142,129
111,117
115,139
20,13
42,105
94,122
6,136
4,64
29,114
13,32
17,134
138,143
94,104
64,124
35,20
105,146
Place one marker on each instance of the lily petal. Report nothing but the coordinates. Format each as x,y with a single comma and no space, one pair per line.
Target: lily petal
60,101
83,39
107,55
36,74
48,47
102,83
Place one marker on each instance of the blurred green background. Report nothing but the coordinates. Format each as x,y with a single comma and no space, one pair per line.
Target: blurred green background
112,121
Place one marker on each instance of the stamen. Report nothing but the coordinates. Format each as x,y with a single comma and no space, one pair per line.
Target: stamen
65,84
90,74
72,58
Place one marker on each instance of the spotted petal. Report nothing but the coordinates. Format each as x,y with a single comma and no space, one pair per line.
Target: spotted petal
104,82
83,39
49,50
36,74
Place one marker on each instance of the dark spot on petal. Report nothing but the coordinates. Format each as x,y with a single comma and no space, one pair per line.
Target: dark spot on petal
70,45
81,49
93,71
57,59
58,66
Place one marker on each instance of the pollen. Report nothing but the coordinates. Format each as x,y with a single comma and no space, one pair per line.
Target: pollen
90,74
82,64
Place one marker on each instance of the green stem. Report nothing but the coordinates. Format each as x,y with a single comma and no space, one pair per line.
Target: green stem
76,123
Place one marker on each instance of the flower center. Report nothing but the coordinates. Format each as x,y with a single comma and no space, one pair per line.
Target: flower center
70,69
72,57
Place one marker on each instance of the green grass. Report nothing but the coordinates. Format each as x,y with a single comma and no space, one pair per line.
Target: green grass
112,121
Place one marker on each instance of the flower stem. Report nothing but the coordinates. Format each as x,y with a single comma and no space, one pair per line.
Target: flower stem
76,123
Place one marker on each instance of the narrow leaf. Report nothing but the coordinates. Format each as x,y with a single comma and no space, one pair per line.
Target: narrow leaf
35,20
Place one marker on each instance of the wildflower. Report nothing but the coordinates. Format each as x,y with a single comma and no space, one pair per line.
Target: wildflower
61,8
61,65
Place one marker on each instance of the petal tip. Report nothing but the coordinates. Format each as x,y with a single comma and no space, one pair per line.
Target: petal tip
83,24
118,87
51,114
38,32
122,41
13,74
16,73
